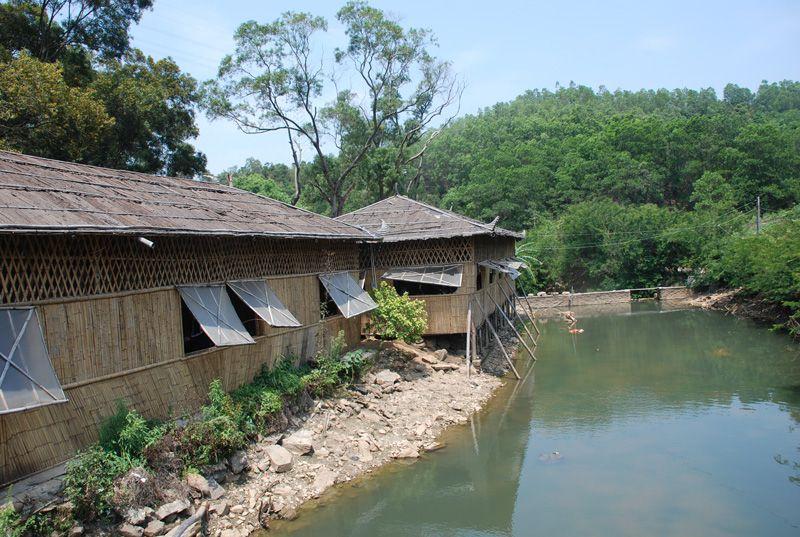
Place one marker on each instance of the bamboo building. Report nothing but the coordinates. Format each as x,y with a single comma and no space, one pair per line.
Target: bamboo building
116,285
443,258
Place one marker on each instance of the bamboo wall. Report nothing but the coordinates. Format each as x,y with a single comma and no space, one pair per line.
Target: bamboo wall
129,346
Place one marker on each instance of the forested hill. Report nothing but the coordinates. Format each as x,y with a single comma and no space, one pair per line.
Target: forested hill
546,150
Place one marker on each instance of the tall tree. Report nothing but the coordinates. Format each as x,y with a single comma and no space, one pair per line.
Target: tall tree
277,80
41,115
49,28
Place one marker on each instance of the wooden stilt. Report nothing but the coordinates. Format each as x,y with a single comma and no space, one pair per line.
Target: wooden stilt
516,333
500,343
532,315
469,337
533,339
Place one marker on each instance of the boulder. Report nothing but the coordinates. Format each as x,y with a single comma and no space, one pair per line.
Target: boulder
171,509
444,366
324,479
386,377
217,491
281,458
300,442
408,452
238,462
221,508
440,354
155,527
75,531
129,530
198,483
429,359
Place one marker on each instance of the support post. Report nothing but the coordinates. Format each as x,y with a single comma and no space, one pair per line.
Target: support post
500,343
516,333
532,315
469,337
533,339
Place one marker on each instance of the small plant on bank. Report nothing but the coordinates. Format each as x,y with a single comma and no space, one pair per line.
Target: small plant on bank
332,369
397,316
89,482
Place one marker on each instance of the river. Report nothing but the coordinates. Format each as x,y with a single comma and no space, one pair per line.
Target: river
667,423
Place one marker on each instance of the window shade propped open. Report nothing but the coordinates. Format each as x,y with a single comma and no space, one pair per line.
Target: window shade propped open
350,298
264,302
212,308
27,377
501,266
447,275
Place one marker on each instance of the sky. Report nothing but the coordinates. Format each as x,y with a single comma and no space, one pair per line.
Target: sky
503,48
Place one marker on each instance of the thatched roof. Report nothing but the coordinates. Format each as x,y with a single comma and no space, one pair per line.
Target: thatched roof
39,195
400,218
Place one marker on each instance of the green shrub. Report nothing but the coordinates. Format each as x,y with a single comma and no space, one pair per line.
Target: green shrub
209,440
89,482
217,435
112,426
283,378
332,369
397,316
127,433
10,522
259,406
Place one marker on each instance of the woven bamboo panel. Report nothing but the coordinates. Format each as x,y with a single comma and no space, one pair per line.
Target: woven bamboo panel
419,253
43,437
34,268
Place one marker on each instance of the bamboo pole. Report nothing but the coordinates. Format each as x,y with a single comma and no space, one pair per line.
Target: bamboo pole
533,339
532,315
514,328
469,337
500,343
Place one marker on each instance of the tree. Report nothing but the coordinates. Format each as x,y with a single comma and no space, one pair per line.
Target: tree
49,28
276,81
41,115
153,104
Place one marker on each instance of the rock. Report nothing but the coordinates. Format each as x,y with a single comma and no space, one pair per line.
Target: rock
454,359
386,377
444,366
455,405
540,293
76,531
433,446
218,471
325,479
238,462
171,509
281,458
229,533
129,530
300,442
440,354
217,491
198,483
221,507
237,509
408,452
429,359
137,517
288,513
155,527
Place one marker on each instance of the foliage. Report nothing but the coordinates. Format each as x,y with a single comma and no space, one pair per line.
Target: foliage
72,88
332,368
11,524
397,316
278,79
153,106
89,482
766,264
40,114
217,435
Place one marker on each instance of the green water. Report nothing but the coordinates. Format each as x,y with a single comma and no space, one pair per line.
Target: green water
668,423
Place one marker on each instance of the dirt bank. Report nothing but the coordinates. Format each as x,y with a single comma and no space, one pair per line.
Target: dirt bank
406,400
734,302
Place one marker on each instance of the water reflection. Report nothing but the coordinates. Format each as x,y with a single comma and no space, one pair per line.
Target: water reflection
666,422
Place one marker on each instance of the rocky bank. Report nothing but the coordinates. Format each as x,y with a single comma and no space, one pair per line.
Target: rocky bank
409,396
